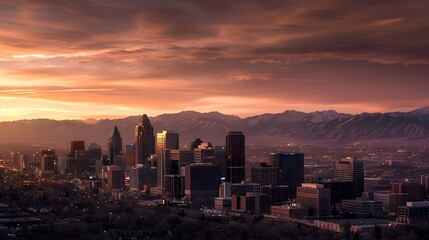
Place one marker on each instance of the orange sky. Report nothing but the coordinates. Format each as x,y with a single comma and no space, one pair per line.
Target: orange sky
108,59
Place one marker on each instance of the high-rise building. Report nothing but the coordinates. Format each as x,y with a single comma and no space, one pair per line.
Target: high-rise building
415,191
115,177
183,157
276,194
235,157
175,186
144,140
351,170
142,175
201,182
291,167
244,187
315,197
94,154
376,184
94,151
114,145
204,153
165,140
62,163
130,156
76,145
265,175
195,144
47,160
424,180
23,161
120,161
390,201
79,164
220,156
339,189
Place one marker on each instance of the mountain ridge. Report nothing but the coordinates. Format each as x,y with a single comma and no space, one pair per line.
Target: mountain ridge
327,126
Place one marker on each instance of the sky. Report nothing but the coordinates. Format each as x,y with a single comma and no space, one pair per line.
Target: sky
110,59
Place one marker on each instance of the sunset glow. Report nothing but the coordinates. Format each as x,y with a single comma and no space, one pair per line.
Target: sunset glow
111,59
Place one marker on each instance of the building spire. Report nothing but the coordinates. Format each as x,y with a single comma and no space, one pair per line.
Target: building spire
144,121
116,132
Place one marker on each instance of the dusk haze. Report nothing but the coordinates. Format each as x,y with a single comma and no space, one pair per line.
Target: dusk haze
214,119
109,59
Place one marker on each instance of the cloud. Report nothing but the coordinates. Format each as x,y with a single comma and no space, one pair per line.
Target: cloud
164,56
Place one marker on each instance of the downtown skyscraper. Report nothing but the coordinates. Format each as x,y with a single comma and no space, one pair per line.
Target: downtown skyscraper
114,145
165,141
144,140
235,157
291,167
351,170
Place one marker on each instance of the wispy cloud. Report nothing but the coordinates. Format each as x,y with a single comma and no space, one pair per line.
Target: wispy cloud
230,56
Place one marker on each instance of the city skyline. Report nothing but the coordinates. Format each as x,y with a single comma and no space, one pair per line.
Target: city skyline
93,59
186,119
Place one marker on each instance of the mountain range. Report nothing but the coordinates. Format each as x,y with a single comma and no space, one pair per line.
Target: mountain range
320,127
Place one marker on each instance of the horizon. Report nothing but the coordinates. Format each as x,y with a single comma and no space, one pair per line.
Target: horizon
97,59
190,119
241,117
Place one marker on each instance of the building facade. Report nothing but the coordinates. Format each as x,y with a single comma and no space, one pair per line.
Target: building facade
144,140
235,157
351,170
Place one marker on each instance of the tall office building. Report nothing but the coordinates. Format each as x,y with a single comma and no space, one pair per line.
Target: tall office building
424,180
265,175
201,182
415,191
175,186
120,161
115,177
351,170
195,143
220,156
165,140
339,190
130,156
183,157
80,163
291,167
94,151
47,160
204,153
235,157
114,145
315,197
376,184
76,145
390,201
144,140
142,175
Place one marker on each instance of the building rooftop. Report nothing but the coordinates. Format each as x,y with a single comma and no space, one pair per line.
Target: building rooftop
418,204
312,185
144,121
357,221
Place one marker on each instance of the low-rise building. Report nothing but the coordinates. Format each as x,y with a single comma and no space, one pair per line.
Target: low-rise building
254,203
362,207
414,212
292,210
